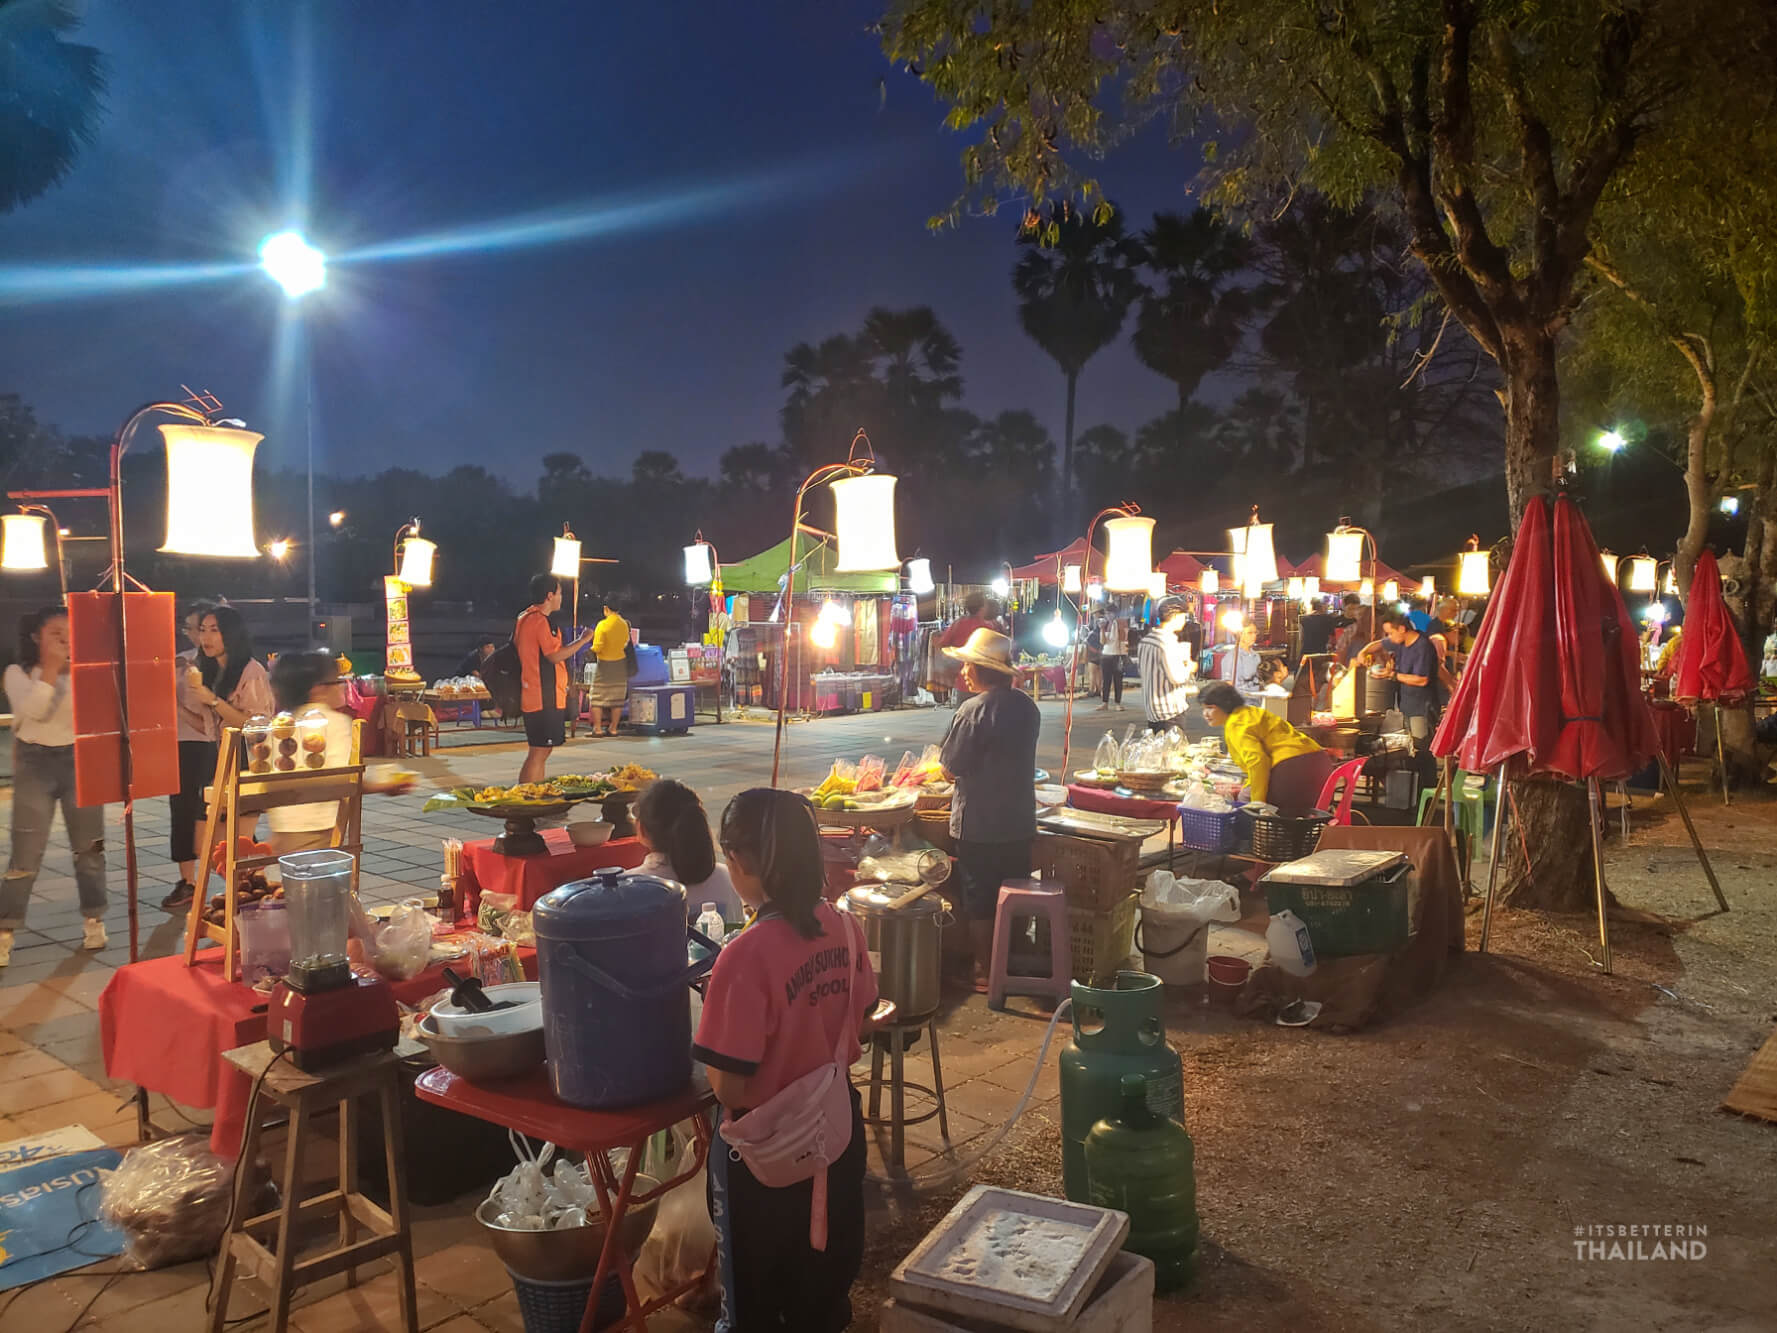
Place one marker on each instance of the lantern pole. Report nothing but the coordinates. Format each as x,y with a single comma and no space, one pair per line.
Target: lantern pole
55,523
854,466
1128,509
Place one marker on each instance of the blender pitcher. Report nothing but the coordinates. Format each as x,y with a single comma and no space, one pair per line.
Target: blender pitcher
318,891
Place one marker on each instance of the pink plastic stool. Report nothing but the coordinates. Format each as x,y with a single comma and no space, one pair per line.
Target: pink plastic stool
1021,899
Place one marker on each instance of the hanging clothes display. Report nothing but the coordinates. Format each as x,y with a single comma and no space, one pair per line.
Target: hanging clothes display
740,609
866,633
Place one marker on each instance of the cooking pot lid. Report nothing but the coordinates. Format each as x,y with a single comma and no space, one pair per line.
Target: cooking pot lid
874,900
609,896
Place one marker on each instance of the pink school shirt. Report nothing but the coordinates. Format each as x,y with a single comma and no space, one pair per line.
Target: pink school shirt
777,1003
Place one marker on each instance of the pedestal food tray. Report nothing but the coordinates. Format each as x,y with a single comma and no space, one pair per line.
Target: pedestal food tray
1020,1260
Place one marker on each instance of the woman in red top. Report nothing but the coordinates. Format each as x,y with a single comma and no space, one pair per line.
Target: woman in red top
780,997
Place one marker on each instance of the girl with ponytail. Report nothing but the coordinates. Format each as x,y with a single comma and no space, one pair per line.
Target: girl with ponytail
789,994
673,826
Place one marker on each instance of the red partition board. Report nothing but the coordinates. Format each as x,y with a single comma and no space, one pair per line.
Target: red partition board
103,669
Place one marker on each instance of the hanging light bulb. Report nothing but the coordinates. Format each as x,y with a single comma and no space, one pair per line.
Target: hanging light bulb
1391,591
24,541
210,491
566,561
1095,590
1157,586
1070,580
1129,557
1234,621
1656,612
823,633
699,569
1345,555
1000,587
1473,578
864,522
416,560
1209,582
1642,571
919,576
1055,632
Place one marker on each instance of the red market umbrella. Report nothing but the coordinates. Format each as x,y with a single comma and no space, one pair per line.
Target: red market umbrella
1710,662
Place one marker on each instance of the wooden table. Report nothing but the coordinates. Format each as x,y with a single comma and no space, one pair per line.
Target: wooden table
529,1105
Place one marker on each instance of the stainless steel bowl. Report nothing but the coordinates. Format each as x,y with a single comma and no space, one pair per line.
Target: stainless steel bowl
484,1059
572,1253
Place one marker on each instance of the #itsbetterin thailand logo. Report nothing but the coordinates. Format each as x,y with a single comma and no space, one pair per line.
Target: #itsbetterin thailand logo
1651,1241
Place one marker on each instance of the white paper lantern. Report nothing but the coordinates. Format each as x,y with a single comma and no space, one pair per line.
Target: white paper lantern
698,567
1642,571
1367,590
1129,559
1259,565
1294,588
1209,582
1095,590
919,576
1157,586
23,544
1311,587
210,491
1070,579
1345,556
416,562
1473,578
1391,591
864,521
1609,562
1671,588
566,562
1428,587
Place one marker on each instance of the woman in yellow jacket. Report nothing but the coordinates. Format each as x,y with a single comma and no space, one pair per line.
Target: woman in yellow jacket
610,675
1283,767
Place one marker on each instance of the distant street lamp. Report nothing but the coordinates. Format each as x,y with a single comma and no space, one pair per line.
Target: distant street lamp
336,518
1612,442
278,549
296,266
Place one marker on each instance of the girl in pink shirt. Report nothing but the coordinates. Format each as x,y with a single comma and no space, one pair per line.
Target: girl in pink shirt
781,996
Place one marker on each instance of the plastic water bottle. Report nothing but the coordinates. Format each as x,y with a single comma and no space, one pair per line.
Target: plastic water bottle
1291,949
710,923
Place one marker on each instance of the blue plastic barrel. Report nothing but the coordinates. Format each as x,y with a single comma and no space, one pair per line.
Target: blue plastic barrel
612,962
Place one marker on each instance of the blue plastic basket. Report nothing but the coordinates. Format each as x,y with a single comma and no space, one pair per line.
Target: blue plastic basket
557,1307
1207,831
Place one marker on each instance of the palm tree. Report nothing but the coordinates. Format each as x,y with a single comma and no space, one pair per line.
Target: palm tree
51,92
832,390
1074,288
1192,324
920,357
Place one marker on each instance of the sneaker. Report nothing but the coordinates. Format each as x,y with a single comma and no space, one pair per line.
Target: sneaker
5,947
1101,708
180,898
94,936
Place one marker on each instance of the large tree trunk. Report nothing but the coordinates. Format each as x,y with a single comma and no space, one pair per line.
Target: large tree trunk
1739,728
1532,408
1555,829
1697,490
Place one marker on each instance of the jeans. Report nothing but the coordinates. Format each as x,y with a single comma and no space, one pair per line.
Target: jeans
1110,678
42,777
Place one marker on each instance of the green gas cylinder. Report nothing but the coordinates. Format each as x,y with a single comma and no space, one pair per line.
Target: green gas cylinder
1117,1031
1145,1165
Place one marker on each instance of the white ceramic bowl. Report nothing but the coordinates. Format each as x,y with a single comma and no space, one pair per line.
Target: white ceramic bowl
588,832
526,1012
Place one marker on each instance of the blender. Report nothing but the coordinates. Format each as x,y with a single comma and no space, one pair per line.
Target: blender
323,1012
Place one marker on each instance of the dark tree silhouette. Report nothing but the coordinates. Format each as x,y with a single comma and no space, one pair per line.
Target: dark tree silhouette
51,96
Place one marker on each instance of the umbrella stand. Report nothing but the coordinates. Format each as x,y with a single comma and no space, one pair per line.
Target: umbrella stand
1721,756
1499,820
1594,808
1670,779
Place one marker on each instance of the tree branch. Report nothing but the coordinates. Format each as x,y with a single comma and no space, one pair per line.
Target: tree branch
1453,145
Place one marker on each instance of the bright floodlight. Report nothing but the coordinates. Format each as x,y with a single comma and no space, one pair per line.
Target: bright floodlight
1730,504
1612,442
1055,632
293,263
278,549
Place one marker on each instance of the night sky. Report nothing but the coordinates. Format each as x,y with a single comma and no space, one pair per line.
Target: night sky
756,185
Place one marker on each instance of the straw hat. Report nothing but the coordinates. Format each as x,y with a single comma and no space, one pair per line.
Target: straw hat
986,648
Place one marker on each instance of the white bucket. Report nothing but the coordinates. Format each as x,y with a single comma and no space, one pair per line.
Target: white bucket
1160,935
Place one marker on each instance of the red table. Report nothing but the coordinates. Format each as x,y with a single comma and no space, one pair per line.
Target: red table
1105,802
530,877
164,1026
529,1105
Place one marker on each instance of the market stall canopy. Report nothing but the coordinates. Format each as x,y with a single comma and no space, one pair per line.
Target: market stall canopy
1554,682
1710,662
1044,567
765,571
1180,568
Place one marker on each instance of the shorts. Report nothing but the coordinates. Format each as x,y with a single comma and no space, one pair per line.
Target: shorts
981,867
545,729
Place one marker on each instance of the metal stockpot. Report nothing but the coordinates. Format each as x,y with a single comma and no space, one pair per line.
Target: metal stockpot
905,945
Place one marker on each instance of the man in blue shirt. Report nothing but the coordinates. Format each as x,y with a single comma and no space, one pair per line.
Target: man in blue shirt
1415,670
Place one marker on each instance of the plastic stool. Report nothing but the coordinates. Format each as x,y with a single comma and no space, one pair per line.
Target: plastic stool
1019,900
1471,806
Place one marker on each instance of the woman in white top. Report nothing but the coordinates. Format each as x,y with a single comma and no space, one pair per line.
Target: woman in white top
231,687
43,777
673,826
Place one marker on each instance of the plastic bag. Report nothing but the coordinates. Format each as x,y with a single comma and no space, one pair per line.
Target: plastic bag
499,914
401,947
678,1248
1170,897
1108,757
264,932
870,770
1202,798
170,1199
903,775
533,1197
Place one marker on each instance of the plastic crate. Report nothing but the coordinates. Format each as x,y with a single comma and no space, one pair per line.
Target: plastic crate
1101,940
1208,831
1096,874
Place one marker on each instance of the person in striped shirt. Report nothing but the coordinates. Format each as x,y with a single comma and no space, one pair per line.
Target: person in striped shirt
1165,666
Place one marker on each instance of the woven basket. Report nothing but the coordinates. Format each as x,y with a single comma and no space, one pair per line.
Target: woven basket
1285,837
934,827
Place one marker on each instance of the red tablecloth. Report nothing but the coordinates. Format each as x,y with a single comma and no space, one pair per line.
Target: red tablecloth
530,877
1675,729
1109,803
164,1027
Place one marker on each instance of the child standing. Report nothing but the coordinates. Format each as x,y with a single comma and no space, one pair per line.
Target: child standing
782,996
673,826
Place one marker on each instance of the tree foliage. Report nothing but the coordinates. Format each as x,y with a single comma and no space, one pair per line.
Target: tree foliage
51,96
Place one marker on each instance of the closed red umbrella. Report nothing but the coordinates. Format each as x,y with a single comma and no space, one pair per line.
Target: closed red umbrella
1710,662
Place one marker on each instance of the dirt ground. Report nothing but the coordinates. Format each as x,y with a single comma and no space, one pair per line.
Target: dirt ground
1434,1170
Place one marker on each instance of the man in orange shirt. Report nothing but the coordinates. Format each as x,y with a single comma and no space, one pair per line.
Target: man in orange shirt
540,657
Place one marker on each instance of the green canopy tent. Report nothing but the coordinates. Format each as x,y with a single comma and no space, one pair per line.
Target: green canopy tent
763,572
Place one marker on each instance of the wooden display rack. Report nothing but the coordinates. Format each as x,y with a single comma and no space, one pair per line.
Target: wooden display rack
236,800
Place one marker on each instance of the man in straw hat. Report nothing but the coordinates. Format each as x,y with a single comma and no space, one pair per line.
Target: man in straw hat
990,752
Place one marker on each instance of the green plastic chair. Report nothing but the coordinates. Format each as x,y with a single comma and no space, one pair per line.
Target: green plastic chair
1470,815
